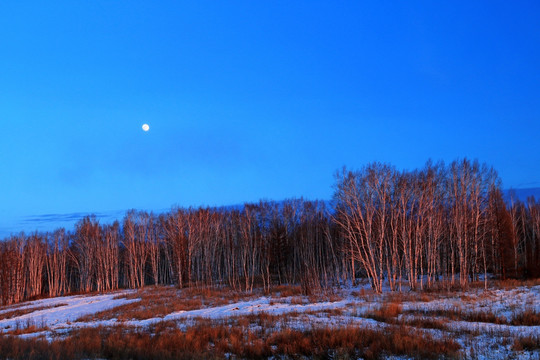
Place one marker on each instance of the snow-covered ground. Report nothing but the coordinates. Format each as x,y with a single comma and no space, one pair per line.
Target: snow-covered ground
504,304
58,316
59,312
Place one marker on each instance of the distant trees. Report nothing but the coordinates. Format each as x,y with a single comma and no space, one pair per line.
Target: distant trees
436,225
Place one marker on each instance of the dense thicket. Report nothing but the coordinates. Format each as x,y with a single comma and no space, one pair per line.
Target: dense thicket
438,225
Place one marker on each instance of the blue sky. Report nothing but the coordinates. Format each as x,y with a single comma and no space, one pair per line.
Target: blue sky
251,100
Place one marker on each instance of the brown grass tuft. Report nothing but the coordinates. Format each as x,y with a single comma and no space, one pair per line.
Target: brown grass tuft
387,312
529,317
458,314
286,290
530,343
513,283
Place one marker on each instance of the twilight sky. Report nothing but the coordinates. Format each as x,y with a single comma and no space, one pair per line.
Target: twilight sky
250,100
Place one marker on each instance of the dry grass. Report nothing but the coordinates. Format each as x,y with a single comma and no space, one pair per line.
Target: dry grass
413,296
298,300
30,329
513,283
28,326
285,291
529,317
263,320
264,335
158,301
485,316
325,297
529,343
209,340
330,312
154,302
387,312
458,314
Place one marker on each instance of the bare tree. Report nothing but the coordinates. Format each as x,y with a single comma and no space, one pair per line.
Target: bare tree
135,241
56,264
174,227
110,255
362,201
35,260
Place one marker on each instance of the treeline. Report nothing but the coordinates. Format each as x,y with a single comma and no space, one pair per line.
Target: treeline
438,225
260,244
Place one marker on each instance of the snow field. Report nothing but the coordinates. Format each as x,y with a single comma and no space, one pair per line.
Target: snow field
58,316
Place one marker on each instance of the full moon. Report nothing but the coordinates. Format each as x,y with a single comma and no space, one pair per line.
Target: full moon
145,127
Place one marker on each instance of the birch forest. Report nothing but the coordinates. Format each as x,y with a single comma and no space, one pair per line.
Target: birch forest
442,225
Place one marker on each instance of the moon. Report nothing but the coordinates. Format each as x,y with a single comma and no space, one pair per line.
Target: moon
145,127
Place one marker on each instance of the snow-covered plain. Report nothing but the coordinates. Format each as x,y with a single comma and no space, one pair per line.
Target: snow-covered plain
55,317
58,313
